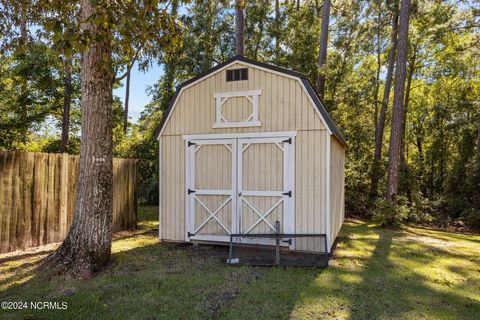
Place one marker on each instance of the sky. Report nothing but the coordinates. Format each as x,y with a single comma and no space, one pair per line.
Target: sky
139,82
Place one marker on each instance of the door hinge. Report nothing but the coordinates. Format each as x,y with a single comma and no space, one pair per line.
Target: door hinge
190,234
289,193
191,191
190,143
289,141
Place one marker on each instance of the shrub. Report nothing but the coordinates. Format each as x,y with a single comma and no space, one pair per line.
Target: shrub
472,218
421,210
389,214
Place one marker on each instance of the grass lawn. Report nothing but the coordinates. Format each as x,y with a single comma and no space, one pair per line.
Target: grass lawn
375,274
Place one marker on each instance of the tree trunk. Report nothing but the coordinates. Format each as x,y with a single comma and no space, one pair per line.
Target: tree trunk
411,71
87,246
239,27
23,86
23,25
277,29
259,39
421,158
322,55
379,67
398,100
127,97
379,131
478,142
67,100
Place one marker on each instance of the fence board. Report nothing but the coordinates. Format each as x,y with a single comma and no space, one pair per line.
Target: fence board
7,203
15,202
38,192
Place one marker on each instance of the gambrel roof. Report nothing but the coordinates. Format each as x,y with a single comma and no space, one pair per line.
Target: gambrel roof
328,121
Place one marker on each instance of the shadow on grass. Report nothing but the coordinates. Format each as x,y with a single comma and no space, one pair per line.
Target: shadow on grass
444,235
156,281
375,274
389,282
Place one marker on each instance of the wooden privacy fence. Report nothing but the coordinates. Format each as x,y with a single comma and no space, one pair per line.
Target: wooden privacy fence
37,197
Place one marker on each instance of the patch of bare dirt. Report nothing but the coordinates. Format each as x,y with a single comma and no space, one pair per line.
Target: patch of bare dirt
29,252
426,240
220,297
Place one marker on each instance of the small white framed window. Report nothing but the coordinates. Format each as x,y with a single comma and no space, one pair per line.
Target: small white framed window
222,97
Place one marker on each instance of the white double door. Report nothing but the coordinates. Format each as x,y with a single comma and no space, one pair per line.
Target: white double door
239,186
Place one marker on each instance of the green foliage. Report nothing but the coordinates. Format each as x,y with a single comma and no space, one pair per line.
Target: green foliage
31,90
390,214
50,143
356,190
471,216
141,144
441,172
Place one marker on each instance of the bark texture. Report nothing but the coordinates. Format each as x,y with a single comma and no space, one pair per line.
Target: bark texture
478,142
239,27
24,85
322,55
277,29
408,89
67,101
380,124
127,98
87,246
398,101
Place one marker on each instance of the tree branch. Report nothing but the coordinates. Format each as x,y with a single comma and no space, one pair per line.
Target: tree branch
129,67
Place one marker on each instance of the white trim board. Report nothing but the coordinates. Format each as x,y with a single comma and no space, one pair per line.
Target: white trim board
328,223
313,105
240,124
286,134
236,193
222,97
234,94
161,221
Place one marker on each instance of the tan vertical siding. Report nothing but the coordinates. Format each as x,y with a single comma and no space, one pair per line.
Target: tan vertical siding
337,187
310,186
172,213
283,106
287,108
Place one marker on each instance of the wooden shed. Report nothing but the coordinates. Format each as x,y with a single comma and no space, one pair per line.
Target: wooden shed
244,145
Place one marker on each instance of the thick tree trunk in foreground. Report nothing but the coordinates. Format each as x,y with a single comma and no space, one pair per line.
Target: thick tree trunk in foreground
380,128
67,100
398,100
87,246
127,98
322,55
239,27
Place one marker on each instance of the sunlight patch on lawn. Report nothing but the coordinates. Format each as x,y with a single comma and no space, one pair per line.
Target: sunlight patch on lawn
18,271
136,241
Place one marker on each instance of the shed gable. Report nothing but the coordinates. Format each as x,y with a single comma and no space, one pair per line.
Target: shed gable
283,104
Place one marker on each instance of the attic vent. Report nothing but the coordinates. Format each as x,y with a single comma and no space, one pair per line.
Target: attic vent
237,74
